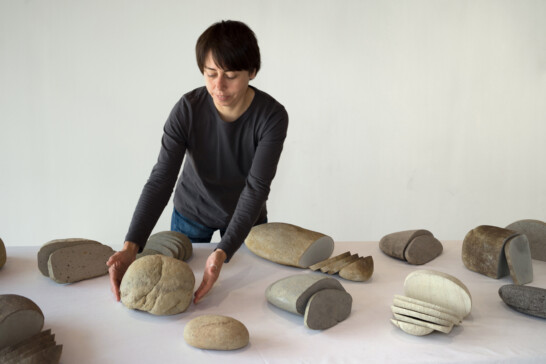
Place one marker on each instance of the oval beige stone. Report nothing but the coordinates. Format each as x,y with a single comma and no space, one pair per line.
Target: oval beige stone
215,332
289,244
3,256
158,284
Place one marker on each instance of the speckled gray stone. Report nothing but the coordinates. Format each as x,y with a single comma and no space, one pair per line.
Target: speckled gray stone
535,230
292,293
158,284
327,308
49,247
20,318
525,299
215,332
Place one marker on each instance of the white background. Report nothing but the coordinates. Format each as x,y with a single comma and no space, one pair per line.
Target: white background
403,114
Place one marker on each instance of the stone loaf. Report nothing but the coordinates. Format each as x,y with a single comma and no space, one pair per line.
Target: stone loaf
169,243
158,284
349,266
49,247
78,262
215,332
20,318
414,246
289,244
38,349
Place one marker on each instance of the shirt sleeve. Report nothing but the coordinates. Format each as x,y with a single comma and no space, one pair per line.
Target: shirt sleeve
159,187
258,182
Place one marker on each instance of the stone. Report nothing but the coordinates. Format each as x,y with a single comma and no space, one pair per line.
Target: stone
22,346
535,230
327,308
3,256
414,246
49,247
412,328
426,308
169,243
336,266
215,332
483,250
430,325
158,284
525,299
20,318
359,271
183,241
440,289
289,244
79,262
38,349
146,252
421,316
325,262
292,293
518,257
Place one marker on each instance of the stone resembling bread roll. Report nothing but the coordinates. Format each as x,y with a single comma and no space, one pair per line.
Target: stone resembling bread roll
20,318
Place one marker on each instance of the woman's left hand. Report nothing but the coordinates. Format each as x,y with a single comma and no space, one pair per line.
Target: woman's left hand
211,273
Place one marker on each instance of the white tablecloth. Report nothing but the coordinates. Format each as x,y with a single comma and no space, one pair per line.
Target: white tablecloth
93,328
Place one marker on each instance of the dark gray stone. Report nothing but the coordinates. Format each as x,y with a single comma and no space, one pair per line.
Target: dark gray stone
525,299
422,249
535,230
20,318
395,244
518,257
327,308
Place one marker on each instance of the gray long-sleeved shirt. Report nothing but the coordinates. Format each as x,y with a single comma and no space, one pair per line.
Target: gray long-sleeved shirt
228,169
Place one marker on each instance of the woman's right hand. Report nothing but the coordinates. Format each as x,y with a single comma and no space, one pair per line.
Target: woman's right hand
118,264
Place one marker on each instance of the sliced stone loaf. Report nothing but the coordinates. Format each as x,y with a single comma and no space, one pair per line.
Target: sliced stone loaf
358,271
169,243
414,246
20,318
3,255
49,247
327,308
158,284
215,332
535,230
78,262
289,244
38,349
525,299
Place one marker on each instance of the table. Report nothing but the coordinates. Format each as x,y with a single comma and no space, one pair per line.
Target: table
93,328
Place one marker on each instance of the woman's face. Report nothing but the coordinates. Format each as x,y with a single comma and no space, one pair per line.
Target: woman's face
227,88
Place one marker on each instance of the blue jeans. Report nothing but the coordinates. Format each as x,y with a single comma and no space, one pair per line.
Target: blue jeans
196,232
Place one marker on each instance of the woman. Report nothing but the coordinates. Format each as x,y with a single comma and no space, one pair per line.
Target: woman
232,135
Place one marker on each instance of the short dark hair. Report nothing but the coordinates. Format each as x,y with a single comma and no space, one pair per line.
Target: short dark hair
233,45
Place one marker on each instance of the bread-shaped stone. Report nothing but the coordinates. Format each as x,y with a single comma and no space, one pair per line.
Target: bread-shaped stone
289,244
414,246
325,262
483,250
327,308
12,351
49,247
440,289
79,262
535,230
292,293
171,243
20,319
525,299
358,271
518,257
158,284
3,256
38,349
215,332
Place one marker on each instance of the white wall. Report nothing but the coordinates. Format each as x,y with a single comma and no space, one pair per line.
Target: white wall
403,114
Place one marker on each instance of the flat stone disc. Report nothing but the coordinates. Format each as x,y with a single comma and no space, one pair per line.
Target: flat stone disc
411,320
412,328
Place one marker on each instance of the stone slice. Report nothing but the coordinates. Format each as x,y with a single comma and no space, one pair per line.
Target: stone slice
412,328
518,257
327,308
427,304
216,332
325,262
422,249
525,299
49,247
49,355
24,345
426,310
440,289
336,266
395,244
146,252
30,350
158,244
158,284
420,316
430,325
289,244
20,319
3,255
184,243
79,262
483,250
535,230
292,293
359,271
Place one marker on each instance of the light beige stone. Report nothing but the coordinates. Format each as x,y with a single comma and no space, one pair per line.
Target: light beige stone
3,256
412,328
215,332
420,316
336,266
325,262
430,325
359,271
289,244
20,318
158,284
426,310
417,302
